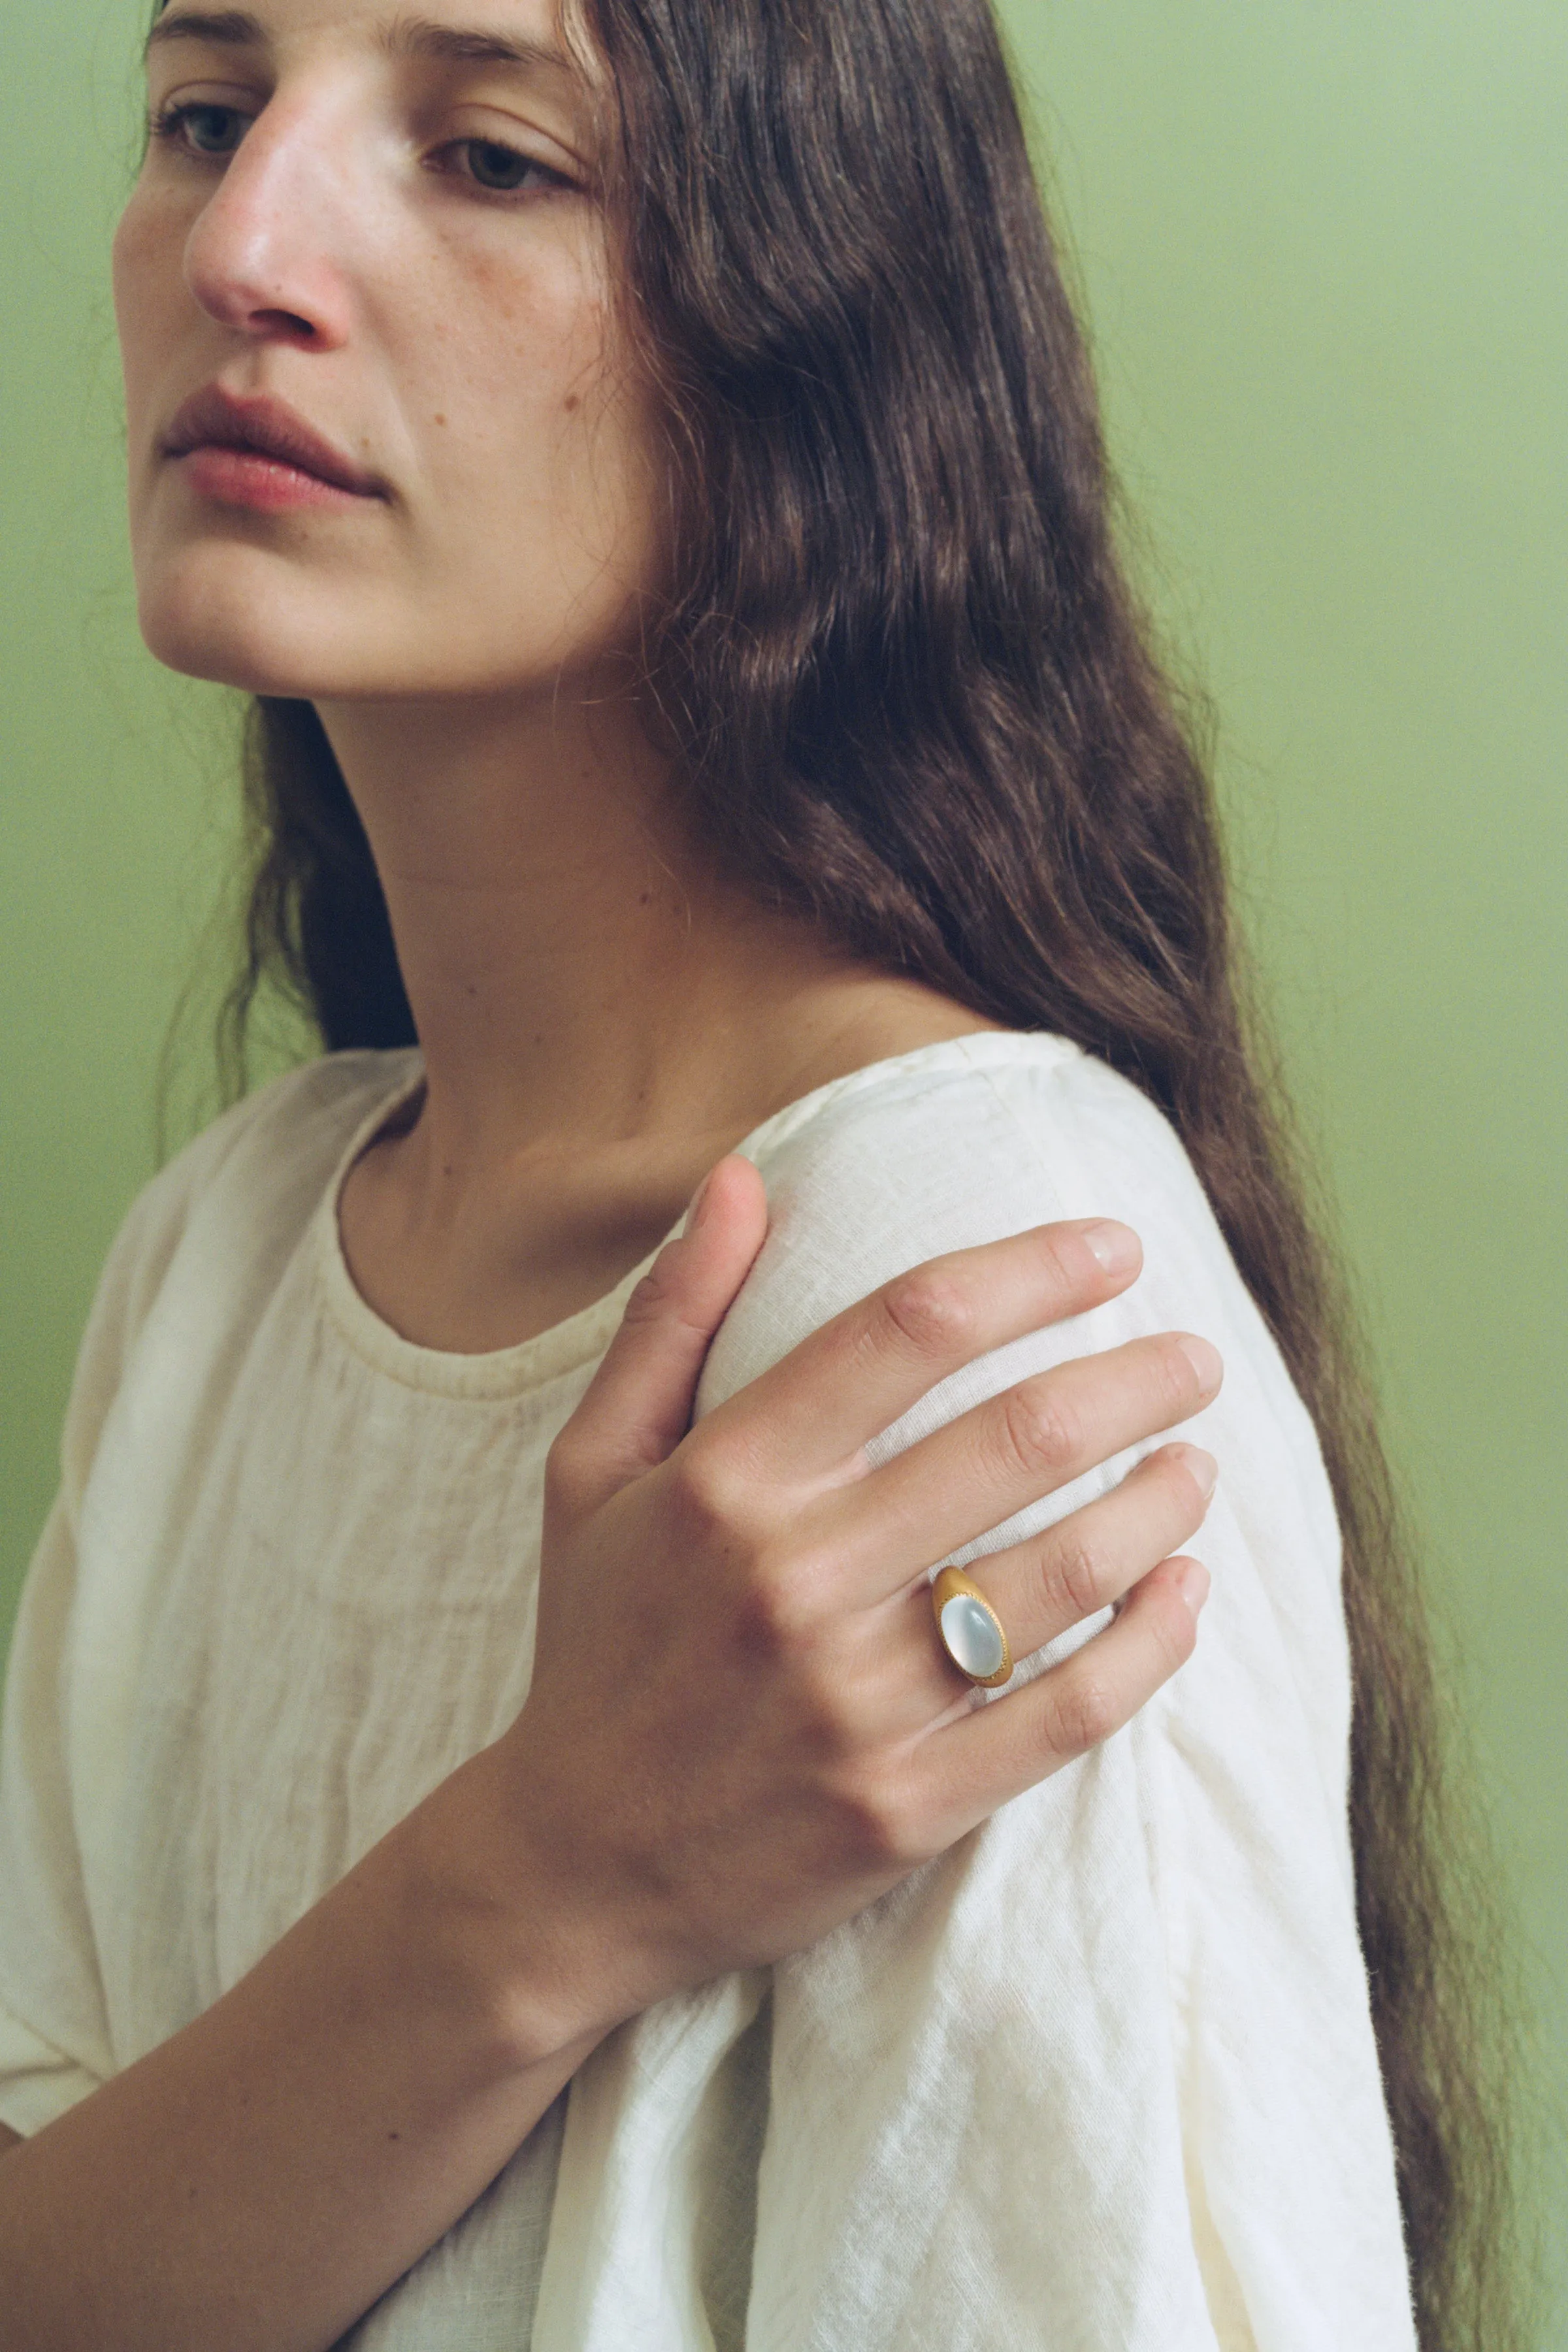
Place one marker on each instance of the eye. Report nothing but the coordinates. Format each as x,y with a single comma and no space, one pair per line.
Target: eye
201,128
503,171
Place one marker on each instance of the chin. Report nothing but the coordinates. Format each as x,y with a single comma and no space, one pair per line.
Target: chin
241,615
225,614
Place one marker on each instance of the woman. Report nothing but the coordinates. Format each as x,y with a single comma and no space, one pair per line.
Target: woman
645,466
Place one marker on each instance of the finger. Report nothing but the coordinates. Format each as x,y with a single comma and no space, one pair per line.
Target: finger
1050,1582
992,1753
638,1406
975,1472
841,1387
1039,1588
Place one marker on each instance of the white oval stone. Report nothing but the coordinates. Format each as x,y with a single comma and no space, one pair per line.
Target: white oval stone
972,1636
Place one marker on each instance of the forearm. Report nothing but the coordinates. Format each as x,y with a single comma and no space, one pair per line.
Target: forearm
263,2177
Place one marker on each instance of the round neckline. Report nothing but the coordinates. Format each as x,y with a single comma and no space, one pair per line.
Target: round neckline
499,1373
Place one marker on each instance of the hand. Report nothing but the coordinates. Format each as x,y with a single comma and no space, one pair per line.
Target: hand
742,1726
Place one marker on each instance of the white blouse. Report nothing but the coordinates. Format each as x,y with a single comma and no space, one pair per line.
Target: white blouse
1101,2079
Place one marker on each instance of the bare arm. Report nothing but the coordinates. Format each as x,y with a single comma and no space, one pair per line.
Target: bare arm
790,1741
264,2176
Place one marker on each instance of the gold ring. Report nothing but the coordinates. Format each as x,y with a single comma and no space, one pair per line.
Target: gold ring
972,1634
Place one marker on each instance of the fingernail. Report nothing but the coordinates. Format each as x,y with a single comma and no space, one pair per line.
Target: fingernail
1205,1469
1194,1585
1115,1247
700,1202
1205,1360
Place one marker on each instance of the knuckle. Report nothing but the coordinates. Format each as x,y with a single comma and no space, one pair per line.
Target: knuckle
930,1312
1070,1578
774,1612
1065,1265
874,1830
1087,1713
1039,1431
711,1490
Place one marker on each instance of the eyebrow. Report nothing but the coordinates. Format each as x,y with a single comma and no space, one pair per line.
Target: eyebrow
410,37
418,36
228,28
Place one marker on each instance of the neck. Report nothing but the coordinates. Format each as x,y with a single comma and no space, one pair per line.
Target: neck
601,1014
576,970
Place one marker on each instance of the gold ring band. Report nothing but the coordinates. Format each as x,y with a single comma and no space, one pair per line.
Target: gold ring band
972,1634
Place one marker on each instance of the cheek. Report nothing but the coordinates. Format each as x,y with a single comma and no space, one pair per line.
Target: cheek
515,374
544,507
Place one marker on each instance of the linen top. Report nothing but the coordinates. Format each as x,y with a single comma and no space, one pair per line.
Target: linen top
1100,2079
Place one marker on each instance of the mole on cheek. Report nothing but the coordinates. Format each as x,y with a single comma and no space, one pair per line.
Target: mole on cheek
571,401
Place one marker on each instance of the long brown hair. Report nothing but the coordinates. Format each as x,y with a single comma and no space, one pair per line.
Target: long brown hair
913,695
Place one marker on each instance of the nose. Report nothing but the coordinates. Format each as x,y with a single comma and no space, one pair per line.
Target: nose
267,257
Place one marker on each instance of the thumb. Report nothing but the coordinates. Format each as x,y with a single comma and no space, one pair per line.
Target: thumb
638,1406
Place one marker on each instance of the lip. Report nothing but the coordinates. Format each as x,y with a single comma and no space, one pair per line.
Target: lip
257,451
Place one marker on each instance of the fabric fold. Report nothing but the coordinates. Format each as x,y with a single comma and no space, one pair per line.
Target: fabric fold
1101,2076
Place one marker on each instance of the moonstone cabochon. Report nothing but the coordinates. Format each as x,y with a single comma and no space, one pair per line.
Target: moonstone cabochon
972,1636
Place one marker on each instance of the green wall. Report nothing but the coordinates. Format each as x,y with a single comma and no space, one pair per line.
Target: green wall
1325,255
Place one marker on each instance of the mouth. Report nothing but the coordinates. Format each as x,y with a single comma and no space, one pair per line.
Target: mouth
258,452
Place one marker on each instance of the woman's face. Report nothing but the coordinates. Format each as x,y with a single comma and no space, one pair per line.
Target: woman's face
369,242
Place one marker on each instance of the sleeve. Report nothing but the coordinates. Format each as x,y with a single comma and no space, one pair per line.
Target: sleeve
53,2040
261,1166
55,2037
1111,2058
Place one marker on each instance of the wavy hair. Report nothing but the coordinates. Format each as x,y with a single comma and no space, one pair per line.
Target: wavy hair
913,695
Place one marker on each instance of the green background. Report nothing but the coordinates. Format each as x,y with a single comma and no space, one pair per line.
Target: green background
1324,254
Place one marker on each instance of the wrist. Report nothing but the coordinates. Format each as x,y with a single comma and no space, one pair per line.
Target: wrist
505,1946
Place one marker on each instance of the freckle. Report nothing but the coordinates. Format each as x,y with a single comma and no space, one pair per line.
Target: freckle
571,401
440,420
645,899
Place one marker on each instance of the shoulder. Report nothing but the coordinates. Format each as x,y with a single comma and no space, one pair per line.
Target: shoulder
951,1149
292,1129
237,1199
962,1143
266,1162
958,1145
961,1135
